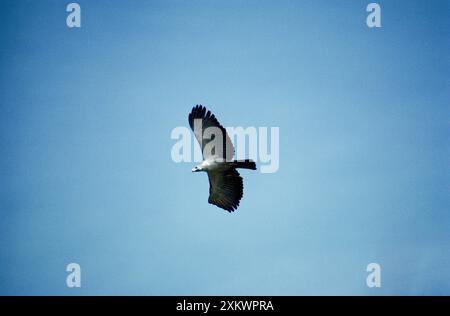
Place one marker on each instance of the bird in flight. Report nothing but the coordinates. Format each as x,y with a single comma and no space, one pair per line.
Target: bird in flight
225,184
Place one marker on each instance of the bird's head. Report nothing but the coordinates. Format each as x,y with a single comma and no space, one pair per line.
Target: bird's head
196,169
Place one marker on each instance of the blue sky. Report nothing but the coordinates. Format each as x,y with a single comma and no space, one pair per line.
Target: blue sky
86,174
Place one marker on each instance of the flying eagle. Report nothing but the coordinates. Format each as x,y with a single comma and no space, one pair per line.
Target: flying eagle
225,183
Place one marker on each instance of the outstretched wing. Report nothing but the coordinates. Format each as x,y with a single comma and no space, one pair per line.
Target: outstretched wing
225,188
209,120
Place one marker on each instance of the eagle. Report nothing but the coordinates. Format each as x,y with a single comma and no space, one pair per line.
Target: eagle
225,184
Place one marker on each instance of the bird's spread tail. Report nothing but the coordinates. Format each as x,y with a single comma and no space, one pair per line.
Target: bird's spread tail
243,164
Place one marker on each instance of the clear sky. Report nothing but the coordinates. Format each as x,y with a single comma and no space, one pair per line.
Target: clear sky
86,174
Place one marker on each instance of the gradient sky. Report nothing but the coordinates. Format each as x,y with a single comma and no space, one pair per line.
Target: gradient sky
86,174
